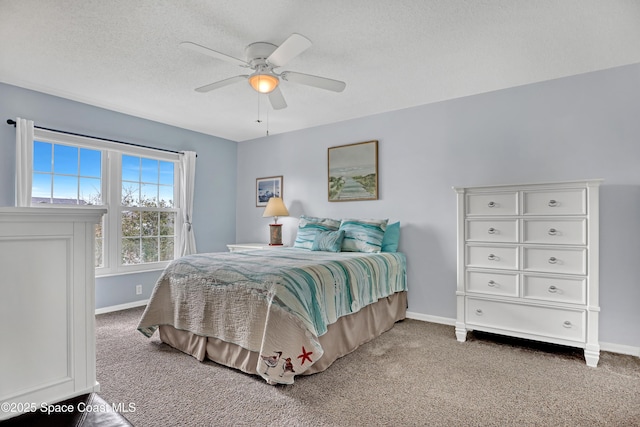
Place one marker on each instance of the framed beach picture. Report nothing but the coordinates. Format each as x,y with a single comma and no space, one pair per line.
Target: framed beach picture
267,188
353,172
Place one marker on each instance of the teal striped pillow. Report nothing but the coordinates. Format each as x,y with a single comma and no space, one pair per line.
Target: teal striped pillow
328,241
308,226
363,235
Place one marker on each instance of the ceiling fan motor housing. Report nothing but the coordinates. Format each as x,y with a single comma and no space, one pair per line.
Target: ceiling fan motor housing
257,53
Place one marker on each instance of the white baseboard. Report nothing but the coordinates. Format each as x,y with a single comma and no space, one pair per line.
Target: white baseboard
119,307
604,346
432,319
619,348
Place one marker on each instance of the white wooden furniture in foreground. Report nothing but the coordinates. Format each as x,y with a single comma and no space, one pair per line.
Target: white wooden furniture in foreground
239,247
528,263
47,321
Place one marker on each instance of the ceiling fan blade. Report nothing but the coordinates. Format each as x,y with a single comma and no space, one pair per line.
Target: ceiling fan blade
289,49
276,99
315,81
213,53
221,83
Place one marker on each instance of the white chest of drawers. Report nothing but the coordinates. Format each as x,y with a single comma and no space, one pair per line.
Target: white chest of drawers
528,263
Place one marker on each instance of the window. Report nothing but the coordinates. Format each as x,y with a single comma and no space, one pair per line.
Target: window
148,224
139,187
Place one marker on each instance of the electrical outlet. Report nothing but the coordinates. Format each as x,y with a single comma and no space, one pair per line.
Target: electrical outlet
138,289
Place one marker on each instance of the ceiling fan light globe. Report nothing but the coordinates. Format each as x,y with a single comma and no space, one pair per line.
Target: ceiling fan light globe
263,83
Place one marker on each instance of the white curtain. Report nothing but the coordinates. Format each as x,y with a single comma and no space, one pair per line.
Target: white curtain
187,183
24,161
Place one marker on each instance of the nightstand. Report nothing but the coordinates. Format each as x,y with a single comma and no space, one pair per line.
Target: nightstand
239,247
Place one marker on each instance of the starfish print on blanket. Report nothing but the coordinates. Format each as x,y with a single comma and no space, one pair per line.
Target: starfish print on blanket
306,355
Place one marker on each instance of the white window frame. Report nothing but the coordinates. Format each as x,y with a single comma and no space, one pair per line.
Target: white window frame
111,183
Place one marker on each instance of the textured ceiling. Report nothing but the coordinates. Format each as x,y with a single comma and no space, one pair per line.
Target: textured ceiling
124,55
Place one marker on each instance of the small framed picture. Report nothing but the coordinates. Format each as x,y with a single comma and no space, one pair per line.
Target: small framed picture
353,172
267,188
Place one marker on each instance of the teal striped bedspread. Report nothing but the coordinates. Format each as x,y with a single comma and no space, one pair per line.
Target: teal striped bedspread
275,302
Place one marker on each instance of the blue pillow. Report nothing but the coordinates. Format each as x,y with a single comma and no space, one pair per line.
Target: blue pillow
307,228
328,241
363,235
391,238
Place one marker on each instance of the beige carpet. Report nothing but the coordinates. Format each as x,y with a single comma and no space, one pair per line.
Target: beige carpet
416,374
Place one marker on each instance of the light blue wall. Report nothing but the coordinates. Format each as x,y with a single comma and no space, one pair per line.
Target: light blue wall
215,191
580,127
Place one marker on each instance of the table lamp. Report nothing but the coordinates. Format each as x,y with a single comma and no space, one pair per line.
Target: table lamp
275,208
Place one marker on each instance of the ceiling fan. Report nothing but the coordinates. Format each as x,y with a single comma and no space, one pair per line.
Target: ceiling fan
263,58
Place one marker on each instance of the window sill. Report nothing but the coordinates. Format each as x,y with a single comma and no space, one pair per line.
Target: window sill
149,269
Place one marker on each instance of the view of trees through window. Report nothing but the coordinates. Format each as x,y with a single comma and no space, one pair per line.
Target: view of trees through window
148,226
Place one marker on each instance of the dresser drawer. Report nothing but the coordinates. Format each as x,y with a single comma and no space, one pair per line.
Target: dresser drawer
552,260
557,231
503,257
480,230
557,202
492,204
492,283
558,289
540,321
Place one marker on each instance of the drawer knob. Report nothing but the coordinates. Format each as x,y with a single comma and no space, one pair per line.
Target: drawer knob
492,257
567,324
492,204
553,260
492,230
553,232
492,283
553,289
479,312
553,203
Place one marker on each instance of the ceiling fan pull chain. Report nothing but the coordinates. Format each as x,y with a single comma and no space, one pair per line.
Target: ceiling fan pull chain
258,120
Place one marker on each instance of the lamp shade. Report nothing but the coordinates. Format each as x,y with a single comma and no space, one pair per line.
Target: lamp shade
275,207
263,83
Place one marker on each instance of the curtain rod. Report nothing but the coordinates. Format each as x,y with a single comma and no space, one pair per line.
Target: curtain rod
13,123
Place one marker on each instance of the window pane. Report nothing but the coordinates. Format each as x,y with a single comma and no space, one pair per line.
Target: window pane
149,170
41,188
130,194
42,156
166,196
99,261
131,251
150,249
65,189
150,223
130,168
167,221
166,173
90,191
166,248
90,163
65,159
149,195
130,223
68,187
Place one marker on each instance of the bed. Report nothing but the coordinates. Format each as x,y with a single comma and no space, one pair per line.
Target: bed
276,313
